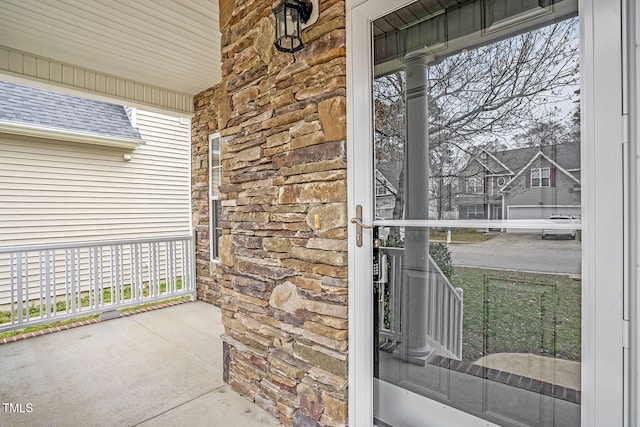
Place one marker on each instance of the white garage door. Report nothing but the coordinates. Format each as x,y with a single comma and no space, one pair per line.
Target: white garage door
539,212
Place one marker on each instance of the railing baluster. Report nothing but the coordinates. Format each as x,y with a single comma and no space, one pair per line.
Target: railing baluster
47,283
185,263
54,283
139,271
40,284
113,298
93,268
66,280
78,294
73,280
159,269
26,289
19,286
12,281
172,256
164,250
396,296
151,269
156,269
184,259
118,274
188,280
132,265
122,275
95,274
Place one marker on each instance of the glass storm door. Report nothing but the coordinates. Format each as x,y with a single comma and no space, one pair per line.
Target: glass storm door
476,187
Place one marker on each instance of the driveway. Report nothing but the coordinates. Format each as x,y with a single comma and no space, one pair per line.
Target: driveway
518,251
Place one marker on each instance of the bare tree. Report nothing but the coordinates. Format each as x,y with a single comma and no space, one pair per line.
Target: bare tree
482,97
544,132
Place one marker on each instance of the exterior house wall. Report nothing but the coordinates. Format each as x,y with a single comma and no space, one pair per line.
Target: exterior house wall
561,194
471,204
60,192
203,124
282,274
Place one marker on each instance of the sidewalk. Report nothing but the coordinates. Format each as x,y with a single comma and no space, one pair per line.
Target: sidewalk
159,368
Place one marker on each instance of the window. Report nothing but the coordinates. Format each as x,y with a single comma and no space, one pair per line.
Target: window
381,189
215,207
541,177
216,230
475,185
475,212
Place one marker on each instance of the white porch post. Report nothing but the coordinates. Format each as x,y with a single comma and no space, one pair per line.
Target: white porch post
415,275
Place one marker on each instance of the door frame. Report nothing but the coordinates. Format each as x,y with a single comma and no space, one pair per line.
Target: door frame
603,328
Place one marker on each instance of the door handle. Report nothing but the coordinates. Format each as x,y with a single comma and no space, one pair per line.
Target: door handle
359,225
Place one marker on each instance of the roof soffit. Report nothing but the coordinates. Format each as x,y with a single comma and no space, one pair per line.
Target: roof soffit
155,48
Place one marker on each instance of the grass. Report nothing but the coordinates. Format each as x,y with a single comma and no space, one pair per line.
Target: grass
516,312
83,301
41,327
37,328
462,235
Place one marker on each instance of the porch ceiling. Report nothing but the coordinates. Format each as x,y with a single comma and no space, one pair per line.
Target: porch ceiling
151,52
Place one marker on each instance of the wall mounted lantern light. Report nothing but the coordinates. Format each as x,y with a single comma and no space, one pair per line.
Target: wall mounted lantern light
292,16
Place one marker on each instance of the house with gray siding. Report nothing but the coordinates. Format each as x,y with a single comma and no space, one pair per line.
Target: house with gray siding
522,183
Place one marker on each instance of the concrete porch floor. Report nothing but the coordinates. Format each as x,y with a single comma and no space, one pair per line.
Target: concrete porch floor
158,368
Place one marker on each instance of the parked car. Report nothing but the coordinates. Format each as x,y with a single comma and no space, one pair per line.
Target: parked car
569,233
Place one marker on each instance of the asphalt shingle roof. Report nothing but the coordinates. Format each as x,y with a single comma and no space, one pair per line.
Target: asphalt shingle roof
29,105
566,155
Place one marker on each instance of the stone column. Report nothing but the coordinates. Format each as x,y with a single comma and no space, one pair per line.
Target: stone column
415,275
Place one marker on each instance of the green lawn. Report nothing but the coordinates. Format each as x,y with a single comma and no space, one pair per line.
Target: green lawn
83,301
515,312
462,235
81,319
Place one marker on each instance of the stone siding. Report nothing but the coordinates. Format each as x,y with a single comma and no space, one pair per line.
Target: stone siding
283,288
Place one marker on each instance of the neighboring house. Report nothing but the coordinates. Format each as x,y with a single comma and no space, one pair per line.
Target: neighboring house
523,183
386,194
74,169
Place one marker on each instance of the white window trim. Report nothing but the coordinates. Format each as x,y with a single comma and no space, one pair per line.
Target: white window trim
212,196
540,177
475,185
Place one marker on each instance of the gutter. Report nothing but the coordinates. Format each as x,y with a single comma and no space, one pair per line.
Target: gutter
39,131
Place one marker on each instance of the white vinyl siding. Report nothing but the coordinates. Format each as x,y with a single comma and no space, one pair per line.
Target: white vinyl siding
60,192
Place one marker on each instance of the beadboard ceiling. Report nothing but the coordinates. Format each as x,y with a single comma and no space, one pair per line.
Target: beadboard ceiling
172,47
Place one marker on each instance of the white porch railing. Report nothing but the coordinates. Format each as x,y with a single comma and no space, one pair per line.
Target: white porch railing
444,322
45,283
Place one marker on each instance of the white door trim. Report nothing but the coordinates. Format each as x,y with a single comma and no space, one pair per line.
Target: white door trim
602,199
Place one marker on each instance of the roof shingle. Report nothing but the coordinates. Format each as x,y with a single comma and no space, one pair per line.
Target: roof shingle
33,106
